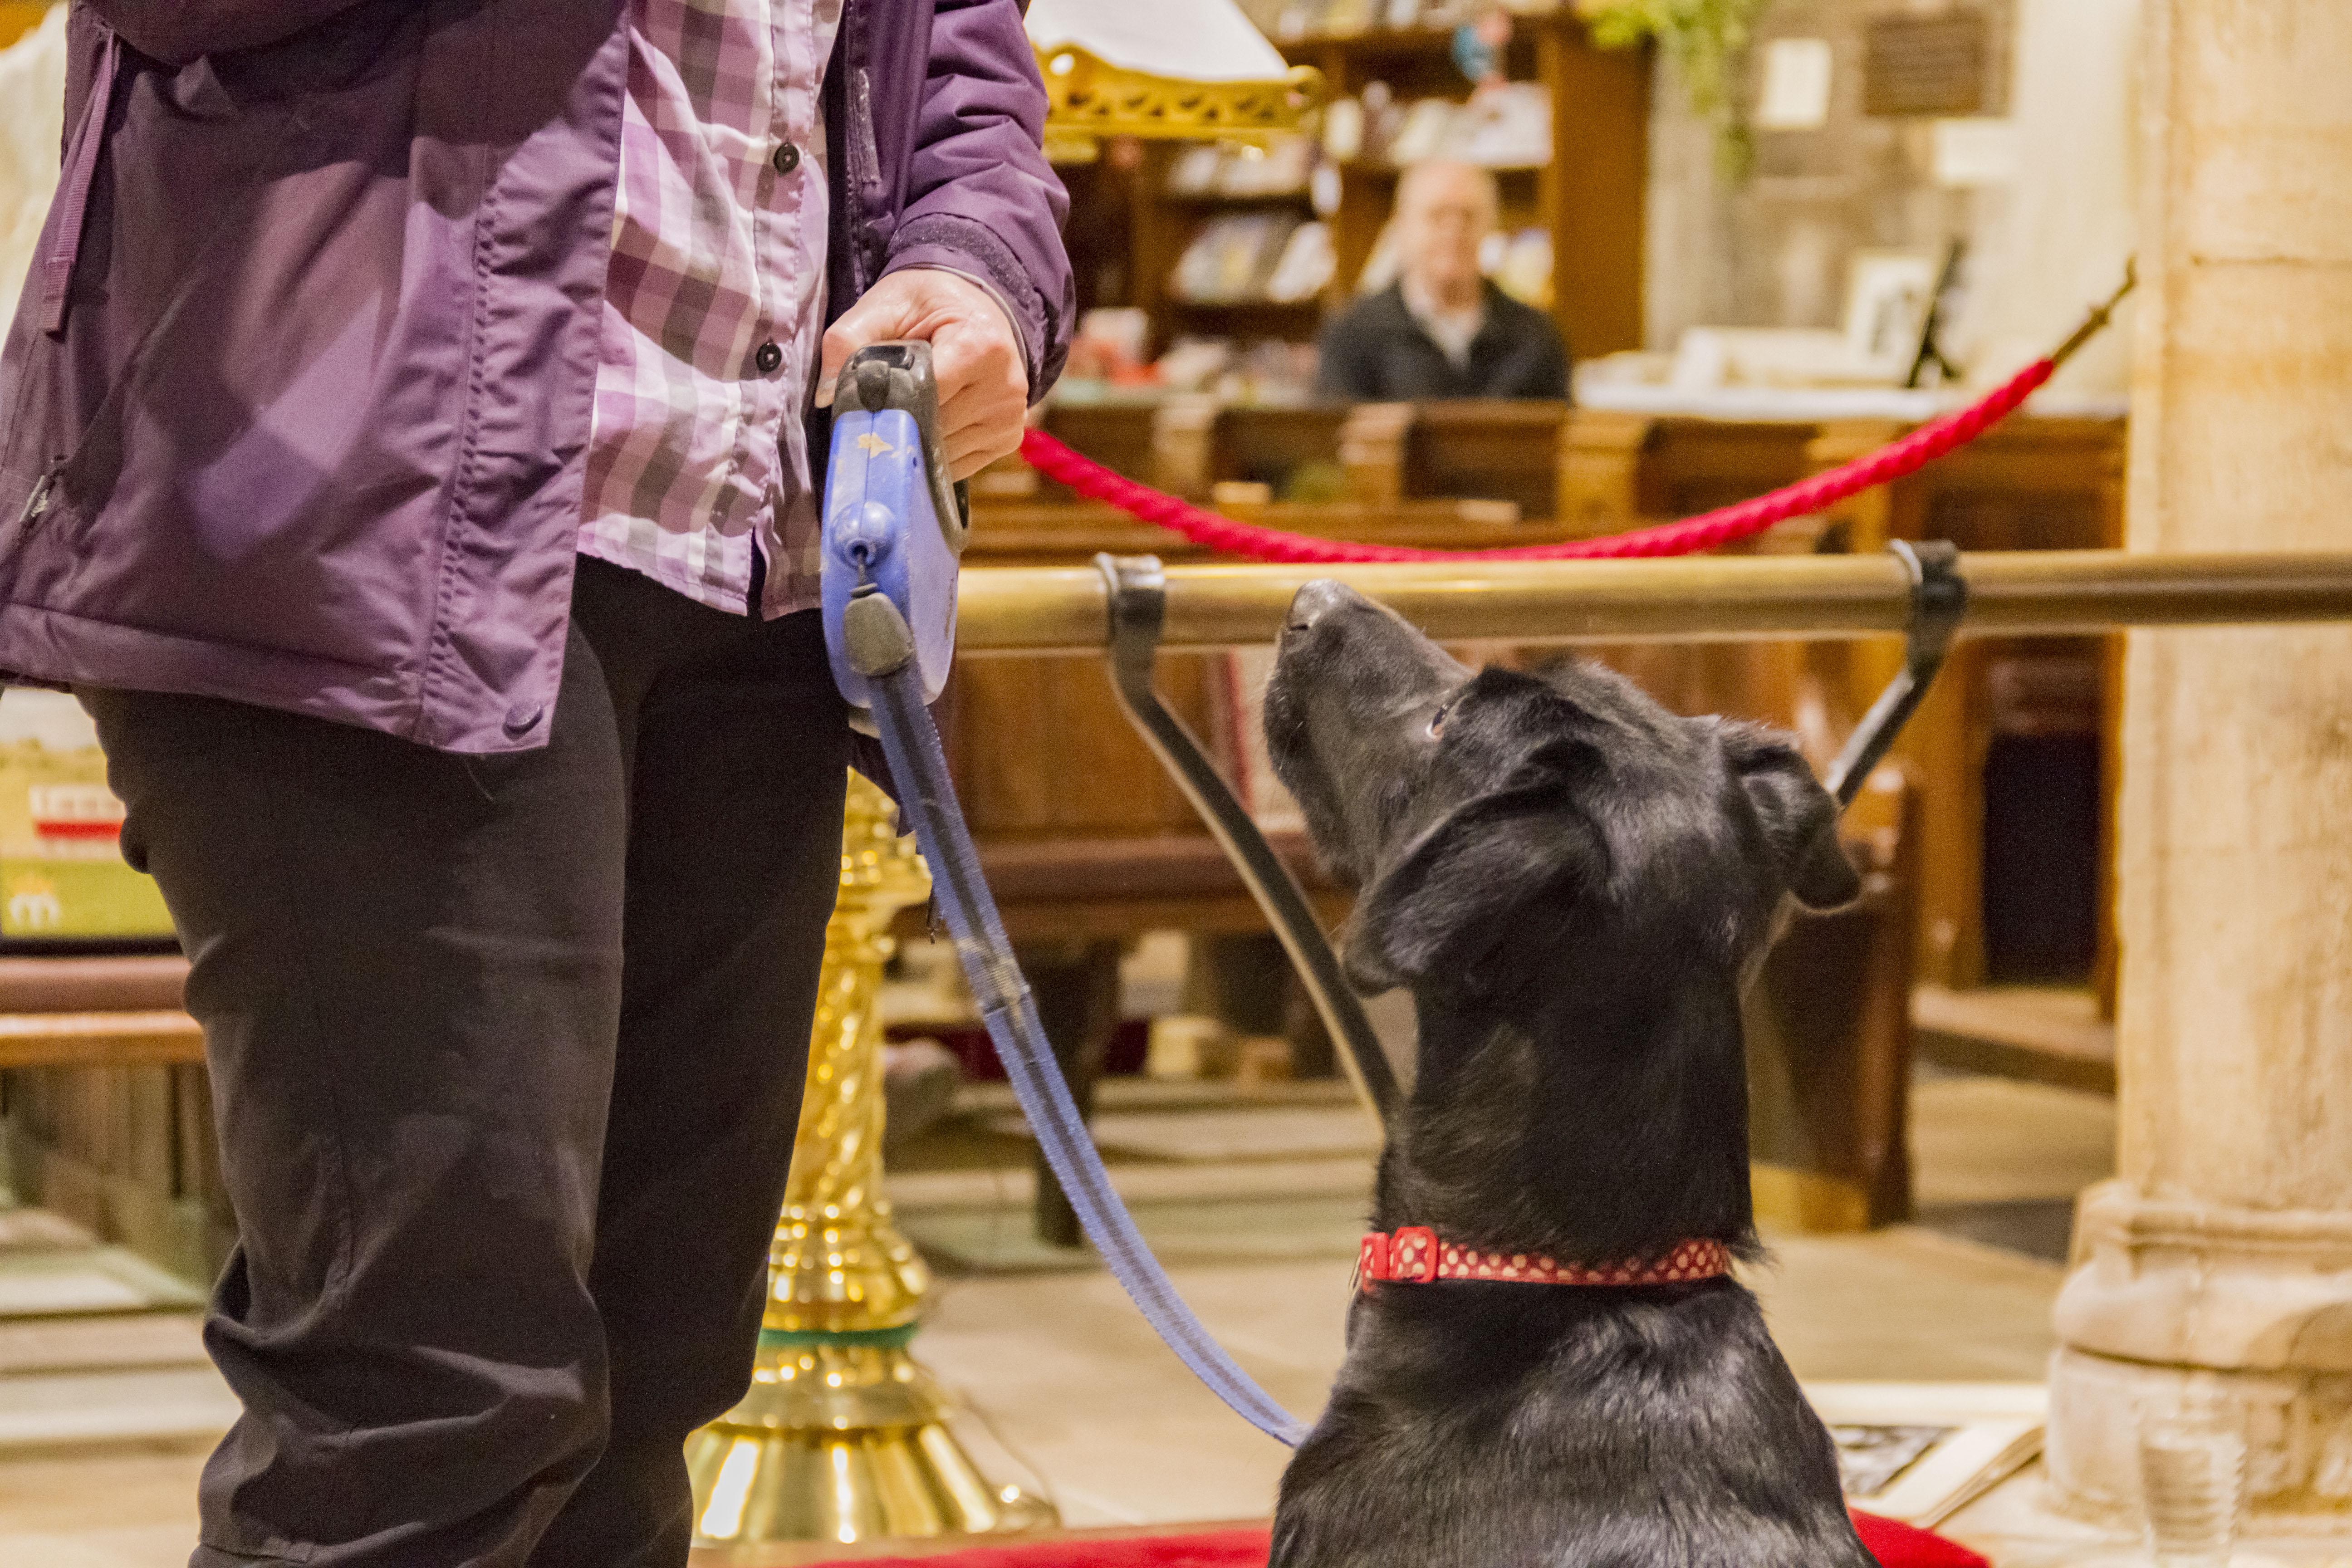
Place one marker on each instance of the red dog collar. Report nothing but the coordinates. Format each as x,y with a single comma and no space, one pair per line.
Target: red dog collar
1413,1256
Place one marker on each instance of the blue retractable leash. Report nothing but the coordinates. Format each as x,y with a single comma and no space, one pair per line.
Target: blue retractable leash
893,529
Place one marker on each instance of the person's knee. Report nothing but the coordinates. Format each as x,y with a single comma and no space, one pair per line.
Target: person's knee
426,1456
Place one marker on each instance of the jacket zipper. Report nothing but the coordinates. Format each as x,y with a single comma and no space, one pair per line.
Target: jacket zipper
37,503
865,174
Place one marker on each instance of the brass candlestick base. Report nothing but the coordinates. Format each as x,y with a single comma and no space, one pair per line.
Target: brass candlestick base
843,1435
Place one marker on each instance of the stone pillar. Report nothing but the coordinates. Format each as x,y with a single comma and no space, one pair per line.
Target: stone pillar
2221,1258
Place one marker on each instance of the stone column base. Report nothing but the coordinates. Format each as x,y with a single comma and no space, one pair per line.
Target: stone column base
2298,1439
2174,1298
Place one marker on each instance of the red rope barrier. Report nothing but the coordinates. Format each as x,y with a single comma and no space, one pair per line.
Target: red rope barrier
1706,531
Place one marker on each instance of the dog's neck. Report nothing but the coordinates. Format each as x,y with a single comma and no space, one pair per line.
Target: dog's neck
1595,1123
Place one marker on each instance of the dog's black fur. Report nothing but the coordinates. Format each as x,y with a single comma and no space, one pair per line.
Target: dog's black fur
1576,884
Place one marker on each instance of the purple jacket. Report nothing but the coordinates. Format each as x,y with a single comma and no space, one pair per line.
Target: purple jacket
295,407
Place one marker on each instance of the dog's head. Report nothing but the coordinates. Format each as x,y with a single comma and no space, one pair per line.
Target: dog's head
1491,816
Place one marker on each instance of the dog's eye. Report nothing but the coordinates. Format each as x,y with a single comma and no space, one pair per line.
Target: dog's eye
1437,720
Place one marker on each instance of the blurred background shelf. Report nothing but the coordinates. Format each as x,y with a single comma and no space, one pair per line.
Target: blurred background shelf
1133,228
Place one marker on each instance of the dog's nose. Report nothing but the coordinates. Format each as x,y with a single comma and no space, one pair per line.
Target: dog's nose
1316,599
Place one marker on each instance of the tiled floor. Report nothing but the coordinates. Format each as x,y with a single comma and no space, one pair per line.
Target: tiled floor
107,1403
2000,1161
1258,1218
117,1508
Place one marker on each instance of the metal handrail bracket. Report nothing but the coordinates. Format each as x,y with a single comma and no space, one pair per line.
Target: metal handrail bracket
1939,601
1137,599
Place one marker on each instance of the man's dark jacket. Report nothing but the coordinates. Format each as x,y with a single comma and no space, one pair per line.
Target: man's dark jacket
1377,353
296,407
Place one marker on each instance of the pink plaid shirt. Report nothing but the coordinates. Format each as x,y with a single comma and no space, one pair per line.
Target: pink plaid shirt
714,308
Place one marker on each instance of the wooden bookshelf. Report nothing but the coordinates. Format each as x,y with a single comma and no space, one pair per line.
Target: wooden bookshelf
1127,229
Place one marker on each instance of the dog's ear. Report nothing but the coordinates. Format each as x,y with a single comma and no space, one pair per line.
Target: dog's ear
1491,870
1799,817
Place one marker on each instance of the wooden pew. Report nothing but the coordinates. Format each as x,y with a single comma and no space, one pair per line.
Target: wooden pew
1186,445
1829,1038
1387,454
123,1038
1038,532
1478,448
1619,471
109,1114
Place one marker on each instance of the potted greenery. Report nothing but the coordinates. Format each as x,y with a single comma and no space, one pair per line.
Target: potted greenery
1707,40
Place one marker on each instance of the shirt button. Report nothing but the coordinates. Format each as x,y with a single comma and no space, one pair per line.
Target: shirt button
767,356
787,158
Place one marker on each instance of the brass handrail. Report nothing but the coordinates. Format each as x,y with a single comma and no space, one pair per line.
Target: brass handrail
1037,610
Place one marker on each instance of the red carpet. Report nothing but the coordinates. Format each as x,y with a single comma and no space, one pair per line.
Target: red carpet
1895,1545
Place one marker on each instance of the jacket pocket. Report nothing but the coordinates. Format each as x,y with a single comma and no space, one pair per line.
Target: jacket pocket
53,271
235,474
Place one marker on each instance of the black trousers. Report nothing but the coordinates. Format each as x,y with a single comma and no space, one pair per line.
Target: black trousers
507,1054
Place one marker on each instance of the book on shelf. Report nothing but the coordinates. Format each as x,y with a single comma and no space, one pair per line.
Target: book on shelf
1259,257
1280,168
1308,262
1504,125
1230,257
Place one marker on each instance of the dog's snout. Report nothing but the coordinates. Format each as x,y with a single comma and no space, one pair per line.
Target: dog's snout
1316,599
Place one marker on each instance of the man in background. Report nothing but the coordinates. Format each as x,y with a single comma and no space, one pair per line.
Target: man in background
1442,330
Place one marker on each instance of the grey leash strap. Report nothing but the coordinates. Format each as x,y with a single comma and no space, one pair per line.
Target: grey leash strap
884,656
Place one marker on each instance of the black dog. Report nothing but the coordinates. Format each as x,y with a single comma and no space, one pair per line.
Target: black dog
1576,884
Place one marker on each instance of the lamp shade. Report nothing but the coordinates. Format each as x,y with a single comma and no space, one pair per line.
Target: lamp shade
1191,40
1163,68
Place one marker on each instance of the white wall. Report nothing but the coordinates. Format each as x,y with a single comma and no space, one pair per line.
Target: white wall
32,118
2068,224
1773,252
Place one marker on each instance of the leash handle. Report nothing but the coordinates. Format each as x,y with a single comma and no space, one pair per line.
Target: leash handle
1138,602
918,764
893,524
898,375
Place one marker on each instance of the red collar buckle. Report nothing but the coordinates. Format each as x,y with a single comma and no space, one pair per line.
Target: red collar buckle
1413,1255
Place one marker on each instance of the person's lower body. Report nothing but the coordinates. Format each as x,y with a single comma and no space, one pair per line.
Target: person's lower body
507,1054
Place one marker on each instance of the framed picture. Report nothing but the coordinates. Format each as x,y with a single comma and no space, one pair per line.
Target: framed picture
1888,296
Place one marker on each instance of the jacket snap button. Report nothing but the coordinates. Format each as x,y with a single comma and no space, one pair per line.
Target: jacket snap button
522,719
767,357
788,158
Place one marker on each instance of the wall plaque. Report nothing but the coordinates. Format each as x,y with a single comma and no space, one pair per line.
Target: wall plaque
1925,64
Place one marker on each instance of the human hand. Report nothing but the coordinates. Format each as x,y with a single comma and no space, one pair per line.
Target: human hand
976,357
